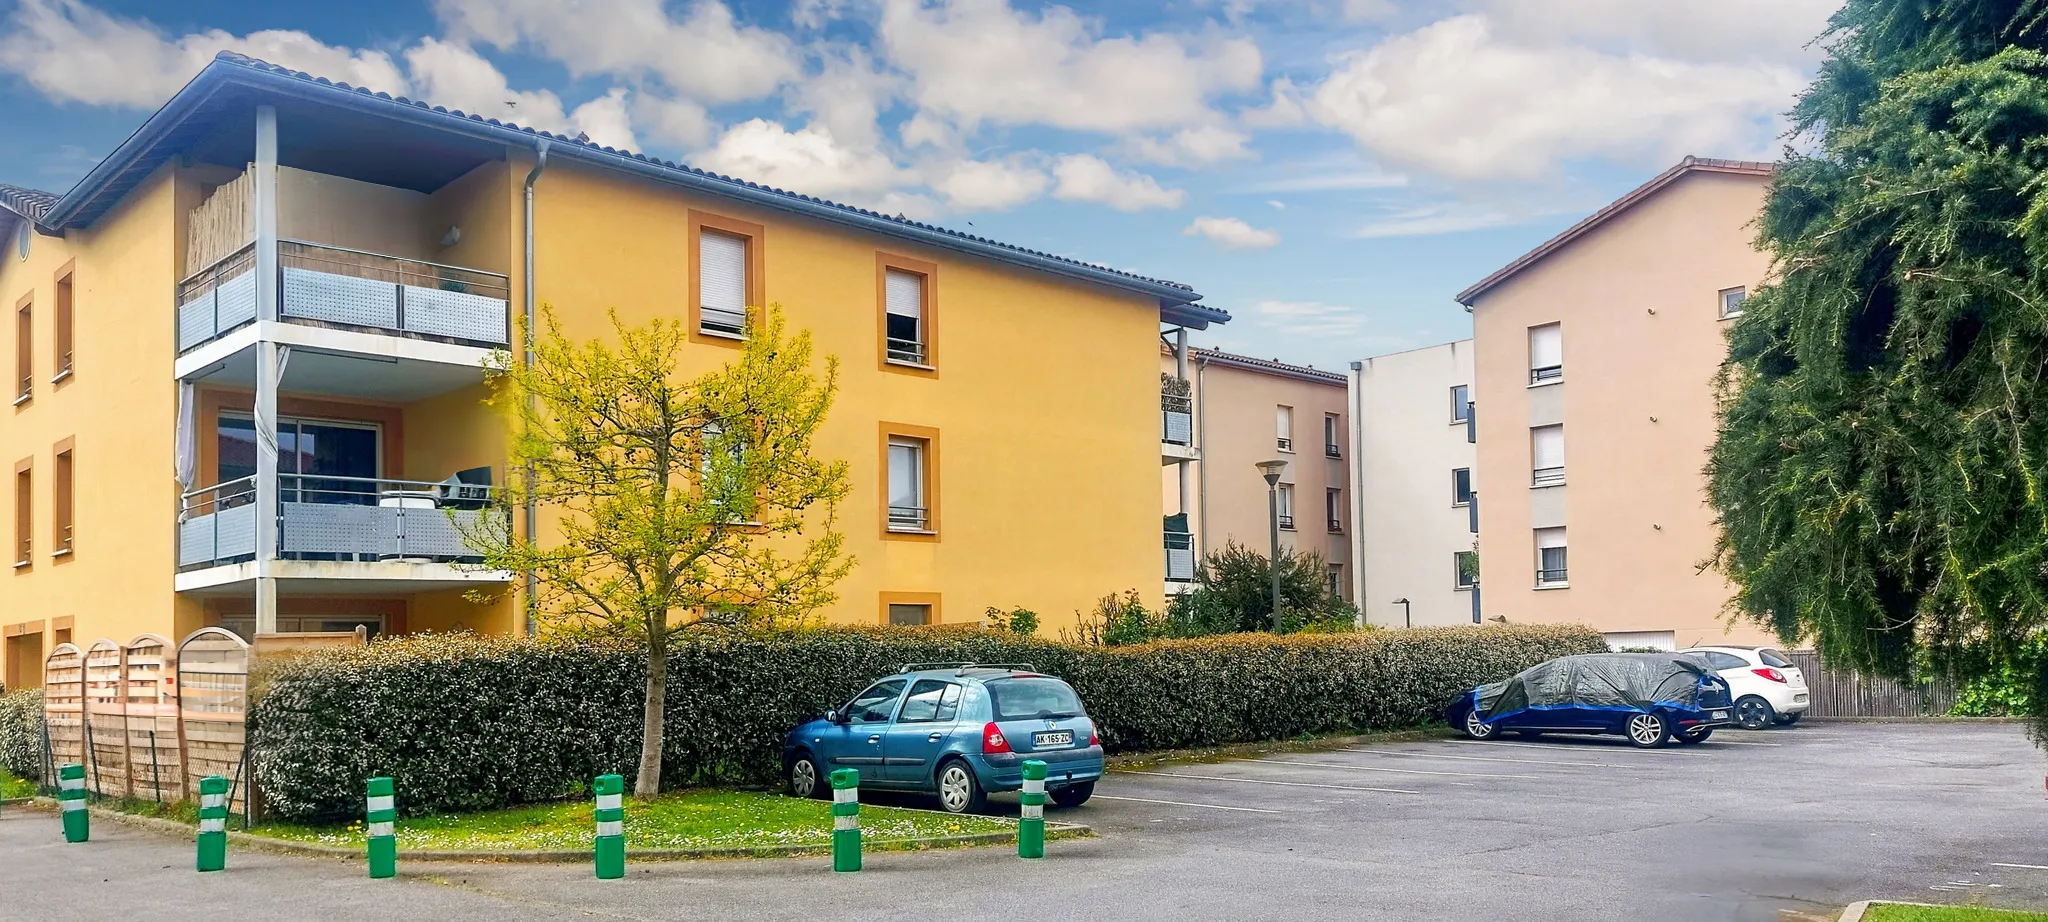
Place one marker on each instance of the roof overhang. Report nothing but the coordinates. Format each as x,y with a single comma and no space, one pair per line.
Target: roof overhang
1685,167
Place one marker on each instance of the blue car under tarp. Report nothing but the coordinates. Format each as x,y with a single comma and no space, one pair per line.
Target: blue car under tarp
1602,693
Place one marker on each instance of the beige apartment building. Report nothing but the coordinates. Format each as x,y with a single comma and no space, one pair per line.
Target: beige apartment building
1411,462
1595,409
1231,413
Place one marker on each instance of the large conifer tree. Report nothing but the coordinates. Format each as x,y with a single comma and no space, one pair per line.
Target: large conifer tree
1881,472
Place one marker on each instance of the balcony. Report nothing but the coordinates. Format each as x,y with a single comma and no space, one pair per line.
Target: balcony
1180,556
348,289
1176,423
339,530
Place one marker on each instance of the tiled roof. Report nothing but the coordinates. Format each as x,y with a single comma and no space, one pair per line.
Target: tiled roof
29,203
226,63
1624,203
1268,366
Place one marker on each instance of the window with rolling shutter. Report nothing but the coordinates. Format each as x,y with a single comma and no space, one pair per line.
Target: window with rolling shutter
721,284
1550,557
1546,456
904,294
1546,353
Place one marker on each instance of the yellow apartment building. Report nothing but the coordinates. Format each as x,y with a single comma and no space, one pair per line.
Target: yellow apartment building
1226,414
1595,356
248,351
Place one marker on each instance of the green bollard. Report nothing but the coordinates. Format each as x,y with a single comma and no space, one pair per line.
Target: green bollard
846,819
1031,815
213,823
380,817
71,795
611,826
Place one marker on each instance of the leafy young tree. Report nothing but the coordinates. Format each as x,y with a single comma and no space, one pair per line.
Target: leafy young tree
1234,592
1881,472
670,502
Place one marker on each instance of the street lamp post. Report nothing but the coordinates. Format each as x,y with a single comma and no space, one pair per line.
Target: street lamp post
1407,614
1271,471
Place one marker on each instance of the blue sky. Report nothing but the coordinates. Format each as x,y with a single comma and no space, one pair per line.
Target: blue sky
1330,171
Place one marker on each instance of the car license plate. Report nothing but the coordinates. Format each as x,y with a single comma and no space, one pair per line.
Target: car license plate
1048,738
1720,715
1798,699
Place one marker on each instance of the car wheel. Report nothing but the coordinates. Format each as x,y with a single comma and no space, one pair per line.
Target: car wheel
1786,720
1694,736
1647,731
1477,728
1754,713
959,790
805,778
1073,795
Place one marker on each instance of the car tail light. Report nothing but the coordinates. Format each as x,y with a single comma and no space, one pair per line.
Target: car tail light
992,739
1771,674
1094,738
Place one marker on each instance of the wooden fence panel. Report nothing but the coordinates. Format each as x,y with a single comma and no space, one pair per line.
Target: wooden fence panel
213,704
106,720
152,695
64,707
1838,692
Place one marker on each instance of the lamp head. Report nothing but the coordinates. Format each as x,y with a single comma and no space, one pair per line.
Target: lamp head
1271,470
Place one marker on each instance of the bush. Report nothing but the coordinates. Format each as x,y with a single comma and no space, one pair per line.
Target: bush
21,733
467,722
1234,592
2012,690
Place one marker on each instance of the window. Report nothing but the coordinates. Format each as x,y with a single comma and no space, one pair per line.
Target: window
1464,569
1333,502
909,615
346,454
725,270
720,469
930,701
908,294
1550,557
1283,427
24,516
1336,577
1720,660
876,704
1331,434
1461,486
1775,659
910,482
1731,302
24,351
1026,699
61,500
61,323
1546,456
1286,500
1546,354
1461,403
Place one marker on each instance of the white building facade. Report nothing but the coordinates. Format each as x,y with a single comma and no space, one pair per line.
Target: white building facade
1412,460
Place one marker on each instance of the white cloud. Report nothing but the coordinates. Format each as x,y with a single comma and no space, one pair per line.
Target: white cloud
1370,10
454,75
73,52
981,61
1197,146
1430,220
1087,178
606,120
1312,318
678,122
707,55
1775,31
1232,233
1284,111
810,161
1456,99
988,185
846,96
1277,204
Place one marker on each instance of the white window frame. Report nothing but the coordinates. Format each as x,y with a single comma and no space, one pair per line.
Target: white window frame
1286,501
920,357
1457,503
1740,293
916,519
1458,582
1553,539
1540,474
704,311
1461,410
1283,428
1544,366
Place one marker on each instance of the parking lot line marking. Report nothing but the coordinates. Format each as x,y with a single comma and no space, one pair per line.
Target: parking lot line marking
1291,784
1178,803
1607,749
2023,867
1431,755
1399,771
1738,743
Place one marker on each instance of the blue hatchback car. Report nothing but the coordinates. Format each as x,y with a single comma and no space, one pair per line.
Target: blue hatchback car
960,731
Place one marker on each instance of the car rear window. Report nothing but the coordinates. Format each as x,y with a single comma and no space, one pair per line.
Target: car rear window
1773,658
1023,699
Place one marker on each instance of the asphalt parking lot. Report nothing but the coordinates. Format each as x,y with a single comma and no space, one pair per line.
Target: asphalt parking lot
1738,828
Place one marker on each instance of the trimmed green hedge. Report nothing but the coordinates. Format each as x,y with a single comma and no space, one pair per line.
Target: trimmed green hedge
469,722
21,733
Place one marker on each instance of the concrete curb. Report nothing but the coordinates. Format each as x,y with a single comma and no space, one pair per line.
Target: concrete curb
1856,910
1234,750
581,856
1915,720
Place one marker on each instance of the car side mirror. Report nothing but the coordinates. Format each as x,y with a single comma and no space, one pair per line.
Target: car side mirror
834,716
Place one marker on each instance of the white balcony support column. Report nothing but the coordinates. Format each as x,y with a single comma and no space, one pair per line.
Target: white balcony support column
1180,370
265,204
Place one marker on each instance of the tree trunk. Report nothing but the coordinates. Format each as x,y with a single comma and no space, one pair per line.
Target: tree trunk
648,782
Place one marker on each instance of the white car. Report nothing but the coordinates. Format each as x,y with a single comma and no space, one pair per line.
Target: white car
1766,687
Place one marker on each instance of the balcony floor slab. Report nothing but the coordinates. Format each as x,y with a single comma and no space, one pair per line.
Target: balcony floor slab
344,363
339,578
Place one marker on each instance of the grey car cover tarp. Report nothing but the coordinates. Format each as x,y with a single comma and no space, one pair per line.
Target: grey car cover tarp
1631,681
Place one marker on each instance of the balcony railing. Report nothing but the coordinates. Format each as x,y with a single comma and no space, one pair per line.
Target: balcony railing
909,518
1177,419
1180,557
1284,443
336,519
1546,576
1545,373
1546,476
348,288
1331,451
1286,521
1336,526
906,350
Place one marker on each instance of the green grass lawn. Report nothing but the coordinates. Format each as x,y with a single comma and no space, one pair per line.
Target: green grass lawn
687,819
1948,914
12,787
